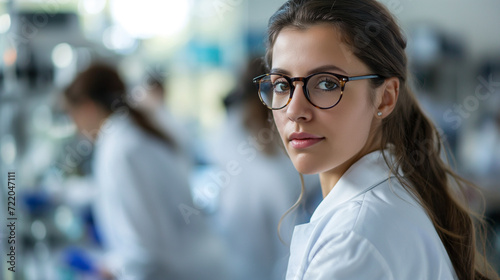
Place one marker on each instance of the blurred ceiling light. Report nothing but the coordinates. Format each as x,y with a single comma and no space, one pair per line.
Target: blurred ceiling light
147,18
117,39
92,6
4,23
62,55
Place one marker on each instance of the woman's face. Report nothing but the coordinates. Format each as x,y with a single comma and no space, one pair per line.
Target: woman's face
87,117
334,137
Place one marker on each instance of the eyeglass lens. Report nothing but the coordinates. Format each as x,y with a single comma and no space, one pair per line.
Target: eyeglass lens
323,90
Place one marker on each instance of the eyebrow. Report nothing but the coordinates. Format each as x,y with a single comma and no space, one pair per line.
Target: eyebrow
324,68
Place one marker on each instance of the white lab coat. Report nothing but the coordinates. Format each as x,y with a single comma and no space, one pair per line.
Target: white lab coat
368,227
144,209
165,121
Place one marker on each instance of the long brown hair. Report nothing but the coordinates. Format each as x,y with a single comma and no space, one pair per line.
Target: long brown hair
102,84
256,118
372,35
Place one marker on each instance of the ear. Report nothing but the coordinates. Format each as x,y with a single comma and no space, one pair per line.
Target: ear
387,96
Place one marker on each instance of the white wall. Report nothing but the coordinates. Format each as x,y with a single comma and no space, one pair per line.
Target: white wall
476,21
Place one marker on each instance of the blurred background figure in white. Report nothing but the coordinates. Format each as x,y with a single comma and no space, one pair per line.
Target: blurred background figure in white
258,186
153,104
143,188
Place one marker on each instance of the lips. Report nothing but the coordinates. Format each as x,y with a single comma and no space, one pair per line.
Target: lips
302,140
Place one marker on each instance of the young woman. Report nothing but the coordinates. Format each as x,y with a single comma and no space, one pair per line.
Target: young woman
338,88
143,188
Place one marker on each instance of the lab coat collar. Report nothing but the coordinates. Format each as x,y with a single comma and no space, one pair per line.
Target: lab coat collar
365,174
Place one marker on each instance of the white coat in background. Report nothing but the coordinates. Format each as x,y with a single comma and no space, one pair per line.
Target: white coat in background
368,227
144,192
260,190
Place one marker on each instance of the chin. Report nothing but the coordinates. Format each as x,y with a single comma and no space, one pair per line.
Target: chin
305,165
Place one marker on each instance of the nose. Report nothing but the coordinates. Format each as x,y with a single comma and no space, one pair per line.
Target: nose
299,109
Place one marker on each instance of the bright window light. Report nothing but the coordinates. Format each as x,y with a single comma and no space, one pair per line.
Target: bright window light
117,39
148,18
92,6
4,23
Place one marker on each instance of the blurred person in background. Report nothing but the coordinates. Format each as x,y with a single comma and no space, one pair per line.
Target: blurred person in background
141,185
263,186
482,162
153,104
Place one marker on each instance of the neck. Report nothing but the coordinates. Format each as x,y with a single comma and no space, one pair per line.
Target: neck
330,178
94,133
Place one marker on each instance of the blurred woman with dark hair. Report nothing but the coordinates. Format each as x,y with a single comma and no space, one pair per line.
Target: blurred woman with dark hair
144,199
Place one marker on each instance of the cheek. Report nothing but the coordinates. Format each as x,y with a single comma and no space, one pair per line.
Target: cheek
351,117
354,130
346,128
279,117
349,126
80,119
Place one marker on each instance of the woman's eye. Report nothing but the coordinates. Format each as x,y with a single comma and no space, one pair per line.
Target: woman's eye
281,87
327,85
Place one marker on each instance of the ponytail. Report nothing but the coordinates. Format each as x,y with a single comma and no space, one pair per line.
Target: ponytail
417,149
146,125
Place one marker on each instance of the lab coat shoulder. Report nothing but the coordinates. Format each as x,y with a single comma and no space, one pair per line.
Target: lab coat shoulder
367,237
118,156
138,166
124,140
369,227
347,255
127,145
338,250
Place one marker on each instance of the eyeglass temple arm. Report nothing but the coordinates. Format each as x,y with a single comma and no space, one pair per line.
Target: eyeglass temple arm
363,77
257,79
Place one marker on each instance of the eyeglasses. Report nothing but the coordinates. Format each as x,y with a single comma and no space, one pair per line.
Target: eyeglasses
323,90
